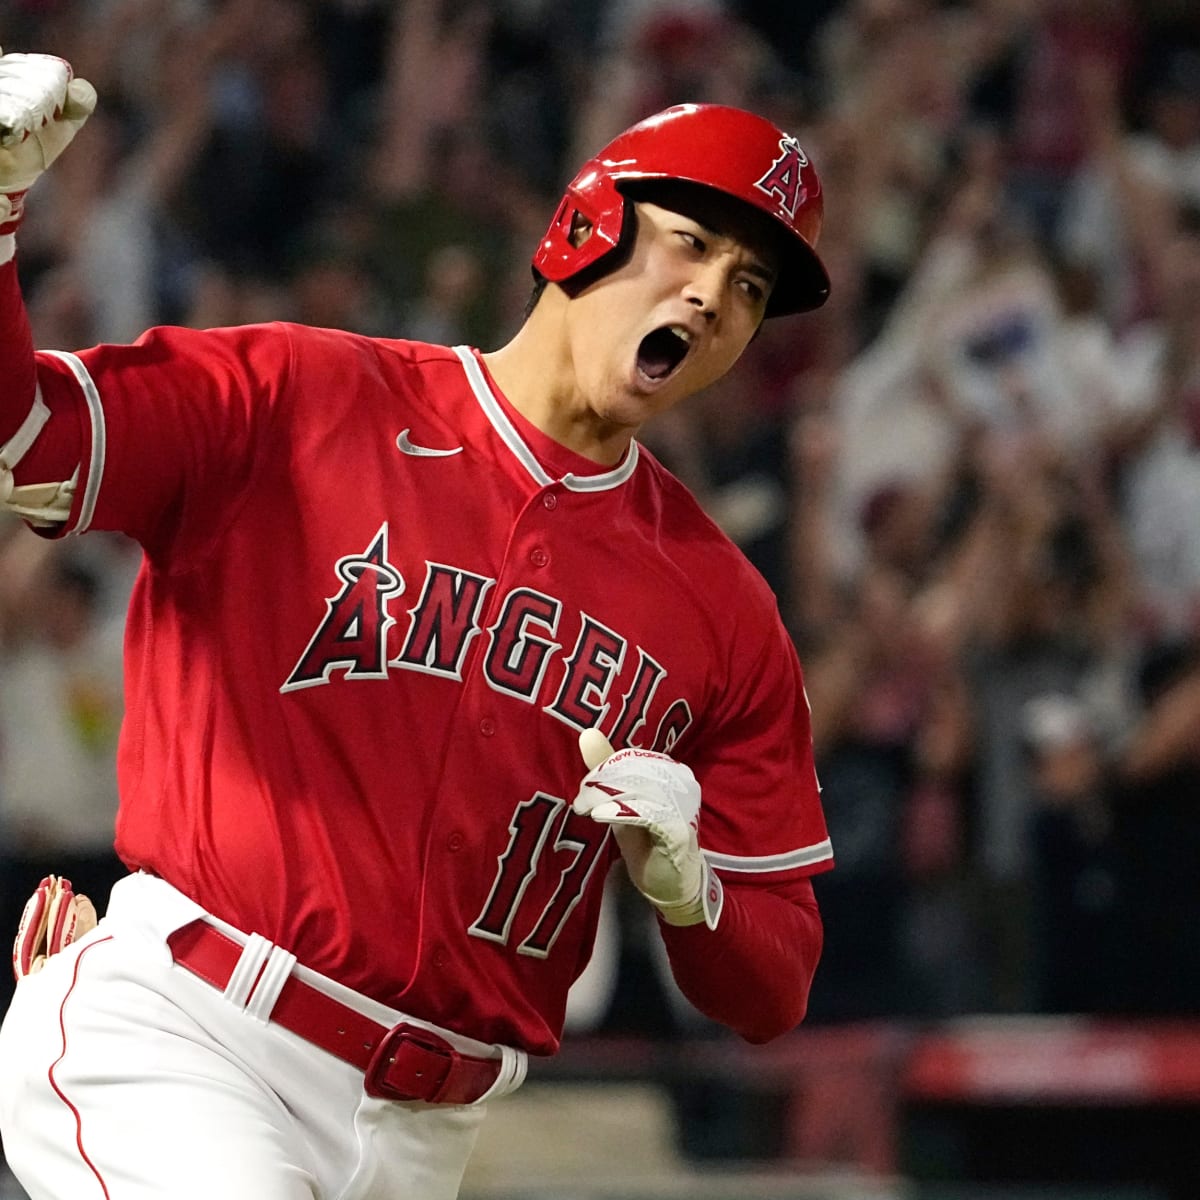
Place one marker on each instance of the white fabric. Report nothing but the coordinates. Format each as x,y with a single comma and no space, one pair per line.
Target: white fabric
91,396
168,1089
41,504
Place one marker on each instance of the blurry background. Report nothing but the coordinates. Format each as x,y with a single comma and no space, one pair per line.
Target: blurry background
973,480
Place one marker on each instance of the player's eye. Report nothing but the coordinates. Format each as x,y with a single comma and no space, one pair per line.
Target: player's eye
753,289
694,240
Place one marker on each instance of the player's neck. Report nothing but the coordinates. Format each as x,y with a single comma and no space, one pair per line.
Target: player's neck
536,374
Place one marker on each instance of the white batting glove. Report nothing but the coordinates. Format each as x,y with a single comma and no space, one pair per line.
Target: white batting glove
652,803
54,917
42,107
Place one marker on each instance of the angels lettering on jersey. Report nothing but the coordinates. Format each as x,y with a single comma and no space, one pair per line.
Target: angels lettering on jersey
530,899
522,657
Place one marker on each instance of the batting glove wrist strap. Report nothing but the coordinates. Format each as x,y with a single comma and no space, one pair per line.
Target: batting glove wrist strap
54,917
42,107
652,804
704,907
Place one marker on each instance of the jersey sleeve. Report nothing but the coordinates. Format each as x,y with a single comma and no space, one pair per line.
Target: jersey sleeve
761,819
754,972
763,831
169,430
24,413
17,380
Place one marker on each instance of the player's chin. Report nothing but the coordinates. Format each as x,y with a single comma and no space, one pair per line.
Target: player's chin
632,408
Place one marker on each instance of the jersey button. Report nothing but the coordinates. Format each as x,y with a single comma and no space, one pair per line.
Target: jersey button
538,556
440,958
487,727
455,842
549,501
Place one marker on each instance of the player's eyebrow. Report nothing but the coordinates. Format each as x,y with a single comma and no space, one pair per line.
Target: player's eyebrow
756,266
760,269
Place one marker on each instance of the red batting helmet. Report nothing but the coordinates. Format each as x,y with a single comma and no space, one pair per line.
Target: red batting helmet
724,148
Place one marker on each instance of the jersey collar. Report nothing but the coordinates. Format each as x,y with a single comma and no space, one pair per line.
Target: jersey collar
511,436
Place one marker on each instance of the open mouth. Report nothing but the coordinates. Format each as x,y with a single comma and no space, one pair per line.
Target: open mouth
662,350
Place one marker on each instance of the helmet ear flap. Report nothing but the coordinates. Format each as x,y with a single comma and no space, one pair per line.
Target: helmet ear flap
571,224
585,239
595,205
608,244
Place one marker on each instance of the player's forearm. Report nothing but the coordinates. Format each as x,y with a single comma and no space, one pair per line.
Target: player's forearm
39,456
42,107
754,971
17,369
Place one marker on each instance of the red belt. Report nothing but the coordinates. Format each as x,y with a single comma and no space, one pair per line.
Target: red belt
405,1062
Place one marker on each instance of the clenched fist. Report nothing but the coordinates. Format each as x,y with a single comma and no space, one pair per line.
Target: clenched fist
42,107
652,804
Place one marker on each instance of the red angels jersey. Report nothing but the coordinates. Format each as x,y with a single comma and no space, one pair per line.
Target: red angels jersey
376,610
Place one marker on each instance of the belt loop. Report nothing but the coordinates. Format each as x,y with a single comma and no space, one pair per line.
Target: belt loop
270,983
514,1064
249,965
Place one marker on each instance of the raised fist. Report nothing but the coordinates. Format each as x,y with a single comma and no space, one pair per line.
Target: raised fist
42,107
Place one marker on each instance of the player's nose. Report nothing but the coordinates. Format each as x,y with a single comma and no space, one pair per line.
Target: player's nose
705,287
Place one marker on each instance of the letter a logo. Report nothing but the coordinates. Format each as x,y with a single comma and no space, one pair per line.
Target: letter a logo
353,634
782,180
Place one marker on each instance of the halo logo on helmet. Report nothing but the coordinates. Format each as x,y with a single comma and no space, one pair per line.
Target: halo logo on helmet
783,177
712,145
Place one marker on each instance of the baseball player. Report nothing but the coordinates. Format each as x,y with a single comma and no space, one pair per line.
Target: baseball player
423,643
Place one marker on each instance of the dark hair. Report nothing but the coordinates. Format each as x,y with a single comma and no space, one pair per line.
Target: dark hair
539,286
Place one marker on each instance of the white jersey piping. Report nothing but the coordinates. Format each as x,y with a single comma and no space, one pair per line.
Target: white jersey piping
512,439
760,864
91,394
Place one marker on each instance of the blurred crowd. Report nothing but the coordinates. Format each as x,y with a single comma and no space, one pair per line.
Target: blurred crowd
972,478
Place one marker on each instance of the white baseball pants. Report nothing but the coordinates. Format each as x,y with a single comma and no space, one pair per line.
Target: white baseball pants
124,1077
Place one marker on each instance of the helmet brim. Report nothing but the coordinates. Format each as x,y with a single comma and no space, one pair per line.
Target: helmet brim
803,283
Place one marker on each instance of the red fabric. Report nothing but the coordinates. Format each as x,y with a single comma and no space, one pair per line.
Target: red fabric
753,972
355,677
58,449
17,371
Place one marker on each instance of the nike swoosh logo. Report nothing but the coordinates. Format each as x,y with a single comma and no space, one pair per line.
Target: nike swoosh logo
407,446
